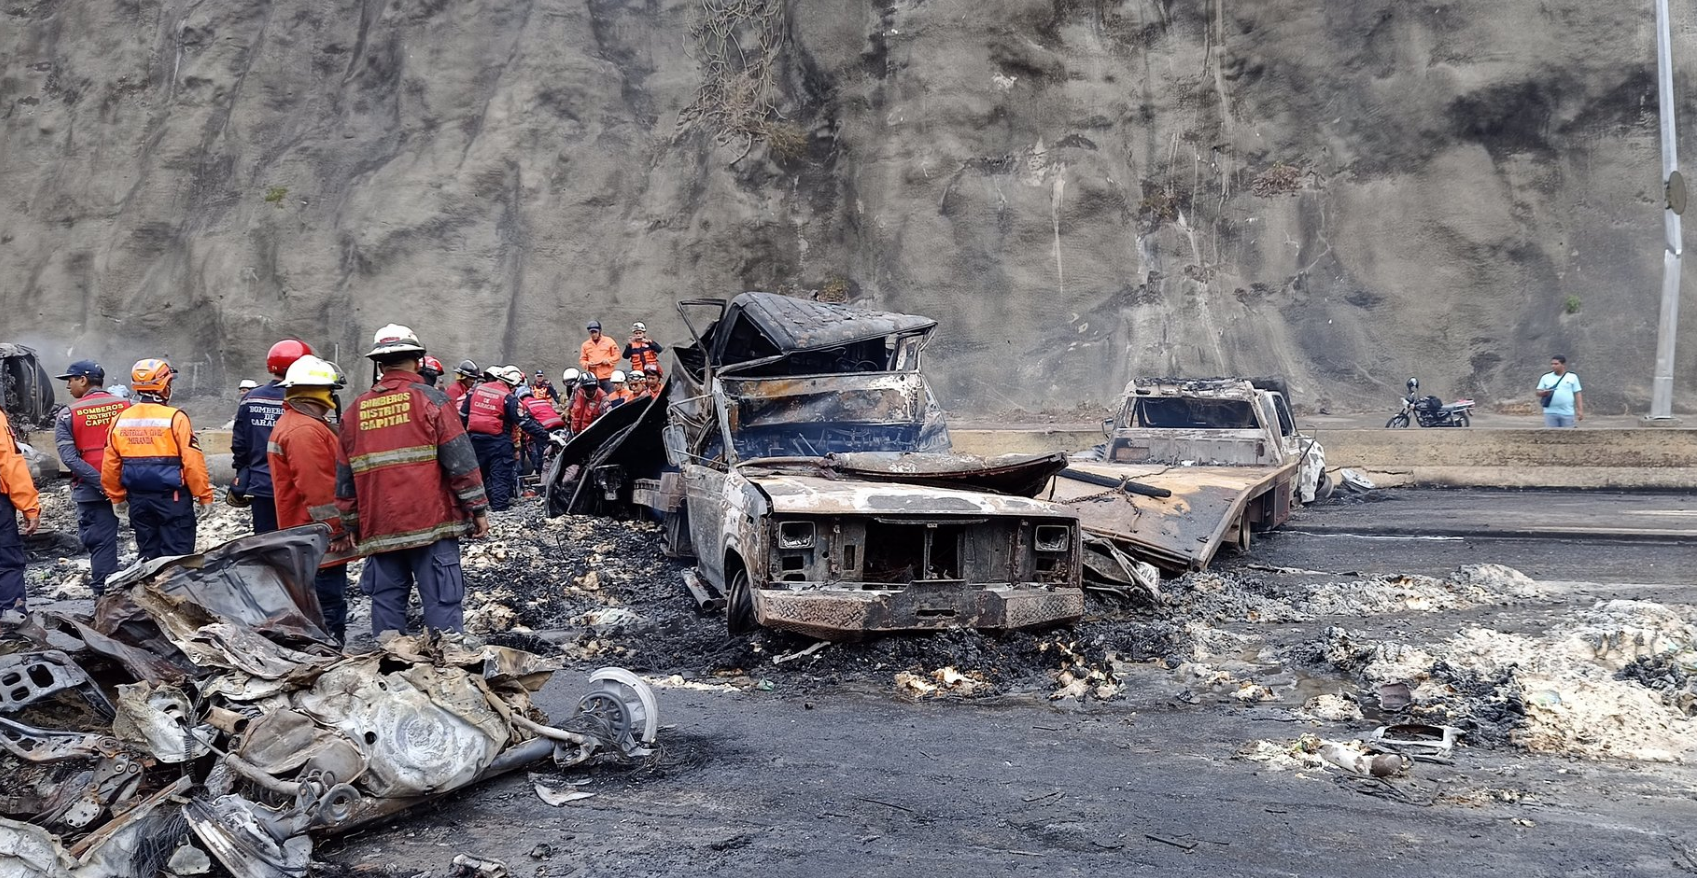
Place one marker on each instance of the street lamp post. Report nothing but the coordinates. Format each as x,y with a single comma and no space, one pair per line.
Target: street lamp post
1661,388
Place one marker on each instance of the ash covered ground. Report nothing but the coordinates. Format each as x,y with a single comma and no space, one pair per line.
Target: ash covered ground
1513,662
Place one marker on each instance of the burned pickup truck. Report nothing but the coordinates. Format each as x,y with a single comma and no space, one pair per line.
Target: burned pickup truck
1190,465
802,460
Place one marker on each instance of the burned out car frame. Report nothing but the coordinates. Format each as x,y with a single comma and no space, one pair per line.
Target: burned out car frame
807,468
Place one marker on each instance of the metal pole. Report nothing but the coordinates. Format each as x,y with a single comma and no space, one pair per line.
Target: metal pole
1661,388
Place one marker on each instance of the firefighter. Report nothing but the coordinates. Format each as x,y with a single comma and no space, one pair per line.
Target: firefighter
244,386
407,489
586,403
304,453
618,396
636,384
546,415
465,378
431,371
490,412
17,495
250,435
599,356
80,434
540,385
642,351
153,463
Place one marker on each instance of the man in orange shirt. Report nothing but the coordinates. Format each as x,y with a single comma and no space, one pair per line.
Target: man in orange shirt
17,495
153,463
599,356
303,452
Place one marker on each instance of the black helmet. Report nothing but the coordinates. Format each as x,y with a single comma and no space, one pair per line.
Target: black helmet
1413,384
587,379
467,368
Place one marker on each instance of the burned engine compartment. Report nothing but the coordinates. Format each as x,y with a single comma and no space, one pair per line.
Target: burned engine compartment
202,711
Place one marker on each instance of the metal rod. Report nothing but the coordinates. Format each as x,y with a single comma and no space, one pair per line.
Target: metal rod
1661,387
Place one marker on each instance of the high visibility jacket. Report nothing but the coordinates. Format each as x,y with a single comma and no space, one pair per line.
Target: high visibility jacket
487,403
599,357
303,453
80,434
457,391
643,354
408,475
615,399
152,449
542,388
250,436
15,482
543,411
586,407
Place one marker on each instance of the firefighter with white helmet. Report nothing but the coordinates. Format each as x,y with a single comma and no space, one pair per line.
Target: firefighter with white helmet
303,454
408,488
491,413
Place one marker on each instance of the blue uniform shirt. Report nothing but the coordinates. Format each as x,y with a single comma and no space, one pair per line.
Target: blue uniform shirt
250,438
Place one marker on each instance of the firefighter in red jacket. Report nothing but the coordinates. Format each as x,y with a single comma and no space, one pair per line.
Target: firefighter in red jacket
543,411
408,488
303,454
490,412
465,378
81,436
586,403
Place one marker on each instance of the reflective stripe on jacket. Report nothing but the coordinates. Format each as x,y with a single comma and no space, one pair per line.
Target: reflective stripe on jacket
250,436
80,434
15,481
643,355
585,408
152,449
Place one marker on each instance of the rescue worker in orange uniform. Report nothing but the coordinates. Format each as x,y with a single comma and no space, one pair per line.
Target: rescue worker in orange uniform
250,436
636,385
642,351
153,463
407,488
656,382
304,453
540,385
599,356
618,396
80,434
17,496
586,403
491,412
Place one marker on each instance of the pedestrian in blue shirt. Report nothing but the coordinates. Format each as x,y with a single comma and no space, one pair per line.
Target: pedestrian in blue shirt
1559,392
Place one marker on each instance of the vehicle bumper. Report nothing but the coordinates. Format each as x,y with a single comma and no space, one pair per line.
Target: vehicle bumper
848,613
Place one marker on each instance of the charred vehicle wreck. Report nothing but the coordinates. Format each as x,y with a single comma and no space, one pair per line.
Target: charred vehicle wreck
804,464
1190,465
202,715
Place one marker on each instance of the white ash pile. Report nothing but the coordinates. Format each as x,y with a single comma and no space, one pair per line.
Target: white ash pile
1472,586
1578,689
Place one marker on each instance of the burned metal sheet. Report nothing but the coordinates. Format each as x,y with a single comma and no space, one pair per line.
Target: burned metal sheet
1024,475
1178,533
795,325
268,735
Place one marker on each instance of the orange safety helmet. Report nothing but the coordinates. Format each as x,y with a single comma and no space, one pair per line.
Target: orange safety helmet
151,375
283,354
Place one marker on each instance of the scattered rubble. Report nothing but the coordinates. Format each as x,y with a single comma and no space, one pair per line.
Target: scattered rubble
200,714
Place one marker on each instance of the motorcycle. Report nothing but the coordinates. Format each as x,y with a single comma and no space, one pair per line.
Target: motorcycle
1430,411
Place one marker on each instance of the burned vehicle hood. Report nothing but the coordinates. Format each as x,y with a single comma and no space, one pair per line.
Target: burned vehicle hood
810,495
1022,475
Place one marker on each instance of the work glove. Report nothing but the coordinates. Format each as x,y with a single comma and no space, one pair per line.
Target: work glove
236,498
559,438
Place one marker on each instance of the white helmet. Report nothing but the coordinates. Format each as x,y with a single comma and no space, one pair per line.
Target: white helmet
311,371
394,339
247,384
570,377
618,377
639,326
509,374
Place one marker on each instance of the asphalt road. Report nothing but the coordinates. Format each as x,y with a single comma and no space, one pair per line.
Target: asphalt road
857,781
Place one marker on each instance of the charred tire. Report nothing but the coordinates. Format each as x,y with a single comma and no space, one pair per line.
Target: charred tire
1323,489
1398,421
739,604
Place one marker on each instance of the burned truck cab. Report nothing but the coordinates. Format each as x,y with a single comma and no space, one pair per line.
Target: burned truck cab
808,471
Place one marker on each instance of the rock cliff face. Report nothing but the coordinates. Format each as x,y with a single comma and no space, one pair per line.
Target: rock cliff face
1343,191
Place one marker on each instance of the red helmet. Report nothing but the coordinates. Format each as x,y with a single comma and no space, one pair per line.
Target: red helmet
432,366
283,354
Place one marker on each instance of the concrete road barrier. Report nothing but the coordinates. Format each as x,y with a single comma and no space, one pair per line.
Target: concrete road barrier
1649,458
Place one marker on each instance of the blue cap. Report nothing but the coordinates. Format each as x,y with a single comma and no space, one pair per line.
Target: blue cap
85,369
594,324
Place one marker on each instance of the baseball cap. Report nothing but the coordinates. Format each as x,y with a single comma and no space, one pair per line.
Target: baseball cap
84,369
593,324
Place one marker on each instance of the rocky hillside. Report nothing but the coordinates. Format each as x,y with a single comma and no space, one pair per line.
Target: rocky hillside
1344,191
